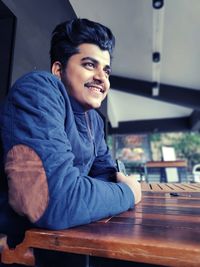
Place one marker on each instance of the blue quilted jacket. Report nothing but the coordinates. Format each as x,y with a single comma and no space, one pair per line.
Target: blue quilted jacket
60,173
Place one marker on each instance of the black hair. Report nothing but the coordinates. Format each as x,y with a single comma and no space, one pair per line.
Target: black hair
68,35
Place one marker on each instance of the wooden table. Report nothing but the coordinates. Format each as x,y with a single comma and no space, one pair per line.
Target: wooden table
163,229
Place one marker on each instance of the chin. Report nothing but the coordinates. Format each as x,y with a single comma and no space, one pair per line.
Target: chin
97,105
94,105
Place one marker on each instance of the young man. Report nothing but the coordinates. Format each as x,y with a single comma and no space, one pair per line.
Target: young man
60,173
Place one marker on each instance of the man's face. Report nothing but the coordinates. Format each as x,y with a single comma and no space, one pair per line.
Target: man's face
86,75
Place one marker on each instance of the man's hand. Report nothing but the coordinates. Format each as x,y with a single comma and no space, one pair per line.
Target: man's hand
132,182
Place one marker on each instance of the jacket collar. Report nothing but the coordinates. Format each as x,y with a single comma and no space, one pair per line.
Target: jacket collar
76,106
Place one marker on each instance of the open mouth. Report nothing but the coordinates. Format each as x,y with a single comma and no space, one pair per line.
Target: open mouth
95,87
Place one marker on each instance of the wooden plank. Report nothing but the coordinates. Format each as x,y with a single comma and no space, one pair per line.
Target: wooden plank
171,187
166,164
171,204
145,186
187,197
159,216
178,201
169,210
170,222
148,243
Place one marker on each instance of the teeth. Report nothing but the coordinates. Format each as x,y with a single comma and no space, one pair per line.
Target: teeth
96,89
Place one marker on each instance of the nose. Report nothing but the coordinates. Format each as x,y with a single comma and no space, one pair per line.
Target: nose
100,75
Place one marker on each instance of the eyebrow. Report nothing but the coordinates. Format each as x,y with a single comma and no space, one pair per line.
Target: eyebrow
107,67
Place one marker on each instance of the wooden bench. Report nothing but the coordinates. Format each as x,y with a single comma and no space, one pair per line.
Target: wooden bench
162,165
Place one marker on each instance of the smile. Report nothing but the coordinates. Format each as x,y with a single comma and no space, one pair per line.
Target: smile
95,87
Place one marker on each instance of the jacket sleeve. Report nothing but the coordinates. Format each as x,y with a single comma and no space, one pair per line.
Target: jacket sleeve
44,185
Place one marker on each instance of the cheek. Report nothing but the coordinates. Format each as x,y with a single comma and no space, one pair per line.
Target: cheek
69,79
77,77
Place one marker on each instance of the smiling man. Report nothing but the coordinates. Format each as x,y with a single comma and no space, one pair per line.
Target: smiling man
59,169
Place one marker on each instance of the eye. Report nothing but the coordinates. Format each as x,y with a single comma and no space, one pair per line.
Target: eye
89,65
108,71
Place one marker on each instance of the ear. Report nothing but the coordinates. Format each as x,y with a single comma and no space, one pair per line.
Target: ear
56,69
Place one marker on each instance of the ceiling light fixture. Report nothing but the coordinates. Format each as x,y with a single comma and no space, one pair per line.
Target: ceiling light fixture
157,4
157,46
156,57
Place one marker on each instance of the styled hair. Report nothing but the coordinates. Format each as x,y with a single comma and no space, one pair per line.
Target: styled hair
68,35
